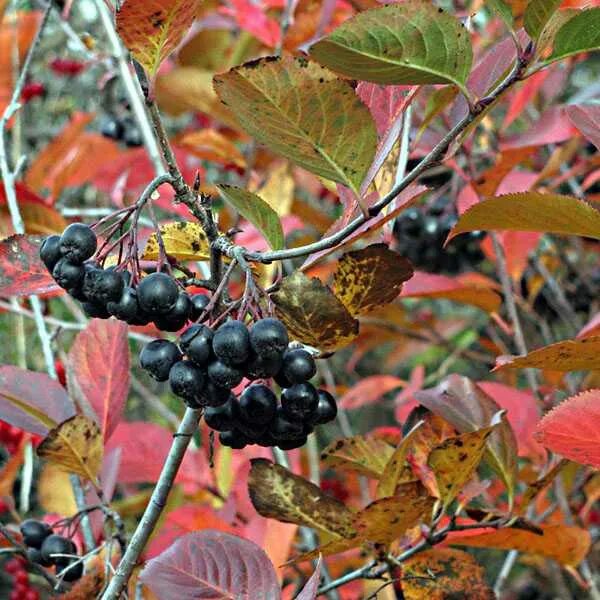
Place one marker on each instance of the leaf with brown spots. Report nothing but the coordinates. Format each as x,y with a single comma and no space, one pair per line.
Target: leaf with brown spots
456,459
367,455
386,519
444,574
569,355
76,446
312,313
279,494
565,544
183,240
396,465
152,29
369,278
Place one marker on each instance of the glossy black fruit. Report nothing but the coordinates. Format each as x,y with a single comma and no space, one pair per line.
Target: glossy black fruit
326,410
178,315
70,569
258,404
298,366
187,381
95,311
157,294
78,243
233,439
50,251
196,342
132,136
103,285
283,428
300,401
260,367
231,343
112,128
222,418
35,556
292,443
269,337
281,380
213,395
199,303
251,431
56,544
67,274
224,375
126,309
34,532
158,357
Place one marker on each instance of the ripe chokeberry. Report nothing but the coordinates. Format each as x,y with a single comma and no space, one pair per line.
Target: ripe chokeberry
233,439
326,410
158,356
187,381
70,569
269,337
196,342
292,443
56,544
178,315
231,342
112,128
103,285
224,375
258,404
283,428
34,532
78,243
300,401
298,366
67,274
251,431
50,251
199,303
94,310
34,555
260,367
127,308
157,294
214,395
222,418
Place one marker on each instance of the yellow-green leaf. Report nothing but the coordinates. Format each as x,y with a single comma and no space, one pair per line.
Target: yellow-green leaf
531,211
305,113
312,313
369,278
183,240
409,43
537,14
76,446
367,455
152,29
579,34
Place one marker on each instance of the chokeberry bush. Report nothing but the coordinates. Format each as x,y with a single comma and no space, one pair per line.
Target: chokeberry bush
299,299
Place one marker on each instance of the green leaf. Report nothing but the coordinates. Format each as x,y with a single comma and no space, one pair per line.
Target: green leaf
409,43
579,34
305,113
537,14
257,211
503,10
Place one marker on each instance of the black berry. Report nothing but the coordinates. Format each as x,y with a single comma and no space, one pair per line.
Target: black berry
50,251
187,381
199,303
78,243
195,341
56,544
283,428
298,366
233,439
112,128
231,342
258,404
178,315
260,367
103,285
157,294
94,310
70,569
158,356
326,410
292,443
224,375
132,136
67,274
34,532
269,337
213,395
126,309
35,556
222,418
281,380
300,401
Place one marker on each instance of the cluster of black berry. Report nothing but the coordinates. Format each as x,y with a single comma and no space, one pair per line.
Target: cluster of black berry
206,365
109,292
420,234
122,129
49,549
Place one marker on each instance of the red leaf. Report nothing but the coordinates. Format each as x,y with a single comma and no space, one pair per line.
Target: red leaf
36,390
252,18
99,367
22,273
24,195
573,428
211,564
369,389
586,118
386,102
524,96
592,328
309,591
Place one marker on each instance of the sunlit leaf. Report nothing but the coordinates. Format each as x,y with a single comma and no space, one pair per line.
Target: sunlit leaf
305,113
37,218
313,314
54,491
211,145
579,34
369,278
367,455
76,446
537,14
409,43
183,240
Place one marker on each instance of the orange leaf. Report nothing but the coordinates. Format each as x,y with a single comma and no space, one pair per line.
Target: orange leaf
370,389
39,219
573,428
154,28
367,455
211,145
565,544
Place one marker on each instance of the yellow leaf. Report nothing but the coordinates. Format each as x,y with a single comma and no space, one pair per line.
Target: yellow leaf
38,219
278,190
442,574
279,494
211,145
312,313
367,455
75,446
369,278
55,493
183,240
